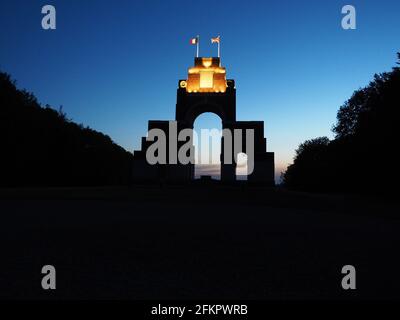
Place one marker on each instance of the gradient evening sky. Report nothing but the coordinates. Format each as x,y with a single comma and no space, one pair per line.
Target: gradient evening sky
114,65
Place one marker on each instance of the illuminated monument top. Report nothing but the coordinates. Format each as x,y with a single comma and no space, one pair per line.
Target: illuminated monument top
207,75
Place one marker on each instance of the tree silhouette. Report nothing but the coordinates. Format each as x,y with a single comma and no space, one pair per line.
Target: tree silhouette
366,136
307,171
42,147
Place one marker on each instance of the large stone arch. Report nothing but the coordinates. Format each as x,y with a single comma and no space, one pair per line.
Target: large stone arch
191,102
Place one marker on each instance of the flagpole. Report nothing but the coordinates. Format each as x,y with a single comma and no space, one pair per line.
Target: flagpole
198,45
219,52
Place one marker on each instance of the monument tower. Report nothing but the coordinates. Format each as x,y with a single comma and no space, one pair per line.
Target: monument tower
206,89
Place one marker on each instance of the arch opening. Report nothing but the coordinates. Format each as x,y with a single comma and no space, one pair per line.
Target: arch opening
192,112
241,167
207,143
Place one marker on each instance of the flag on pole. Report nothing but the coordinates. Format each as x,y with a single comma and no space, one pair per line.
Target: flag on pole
194,41
218,41
215,40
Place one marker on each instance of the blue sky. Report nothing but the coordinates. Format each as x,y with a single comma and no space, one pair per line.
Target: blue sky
114,65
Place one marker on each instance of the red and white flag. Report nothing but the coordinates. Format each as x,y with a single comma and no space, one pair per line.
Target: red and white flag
194,40
216,39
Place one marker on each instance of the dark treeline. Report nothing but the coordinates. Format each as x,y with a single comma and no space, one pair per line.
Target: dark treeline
41,147
363,157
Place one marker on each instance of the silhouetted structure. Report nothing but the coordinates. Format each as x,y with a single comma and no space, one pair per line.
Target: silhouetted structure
206,90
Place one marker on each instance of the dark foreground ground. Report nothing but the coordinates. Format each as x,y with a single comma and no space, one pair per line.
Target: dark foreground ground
197,242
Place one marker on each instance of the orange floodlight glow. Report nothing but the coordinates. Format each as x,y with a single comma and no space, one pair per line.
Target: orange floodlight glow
207,75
